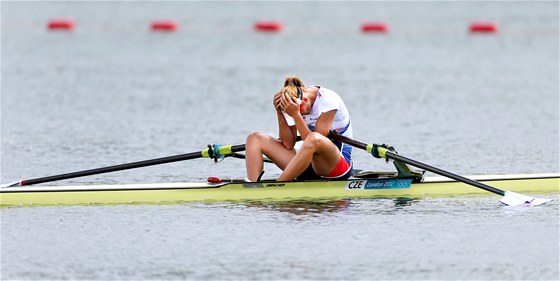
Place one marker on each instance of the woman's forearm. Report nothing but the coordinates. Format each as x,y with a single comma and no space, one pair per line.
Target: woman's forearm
287,134
302,127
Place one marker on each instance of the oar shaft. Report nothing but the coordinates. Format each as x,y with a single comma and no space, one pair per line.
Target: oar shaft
444,173
126,166
114,168
394,156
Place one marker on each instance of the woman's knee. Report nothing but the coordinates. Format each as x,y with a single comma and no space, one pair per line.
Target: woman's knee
314,140
254,137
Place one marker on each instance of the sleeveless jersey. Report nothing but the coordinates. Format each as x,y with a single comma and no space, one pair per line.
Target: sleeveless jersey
328,100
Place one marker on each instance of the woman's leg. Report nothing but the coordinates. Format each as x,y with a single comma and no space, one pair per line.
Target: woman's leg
316,150
258,144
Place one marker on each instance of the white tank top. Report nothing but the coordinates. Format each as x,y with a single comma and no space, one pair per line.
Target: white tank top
328,100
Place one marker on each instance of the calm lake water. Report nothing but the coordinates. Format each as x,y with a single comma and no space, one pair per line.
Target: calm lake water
111,91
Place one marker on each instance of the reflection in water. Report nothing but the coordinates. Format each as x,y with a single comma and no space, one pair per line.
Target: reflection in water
308,207
302,207
404,201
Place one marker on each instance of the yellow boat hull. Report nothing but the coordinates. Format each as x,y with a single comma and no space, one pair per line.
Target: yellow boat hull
269,191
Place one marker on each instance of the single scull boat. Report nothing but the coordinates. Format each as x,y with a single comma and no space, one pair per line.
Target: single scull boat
404,183
363,185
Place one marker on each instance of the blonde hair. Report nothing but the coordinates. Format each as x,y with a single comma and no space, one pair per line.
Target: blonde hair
291,85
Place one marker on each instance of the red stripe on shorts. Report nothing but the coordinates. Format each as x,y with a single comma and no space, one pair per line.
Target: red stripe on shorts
341,168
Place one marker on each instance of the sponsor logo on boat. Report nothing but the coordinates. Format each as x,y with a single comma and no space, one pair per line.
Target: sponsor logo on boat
275,184
378,184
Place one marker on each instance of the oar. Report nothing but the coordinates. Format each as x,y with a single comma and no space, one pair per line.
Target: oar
213,151
381,151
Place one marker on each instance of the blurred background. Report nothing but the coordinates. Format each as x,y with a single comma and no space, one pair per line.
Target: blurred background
109,89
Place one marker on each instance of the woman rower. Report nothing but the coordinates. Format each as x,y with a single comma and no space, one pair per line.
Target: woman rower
313,112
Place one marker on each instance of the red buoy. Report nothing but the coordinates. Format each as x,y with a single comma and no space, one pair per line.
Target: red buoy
375,27
483,27
268,26
60,24
165,25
